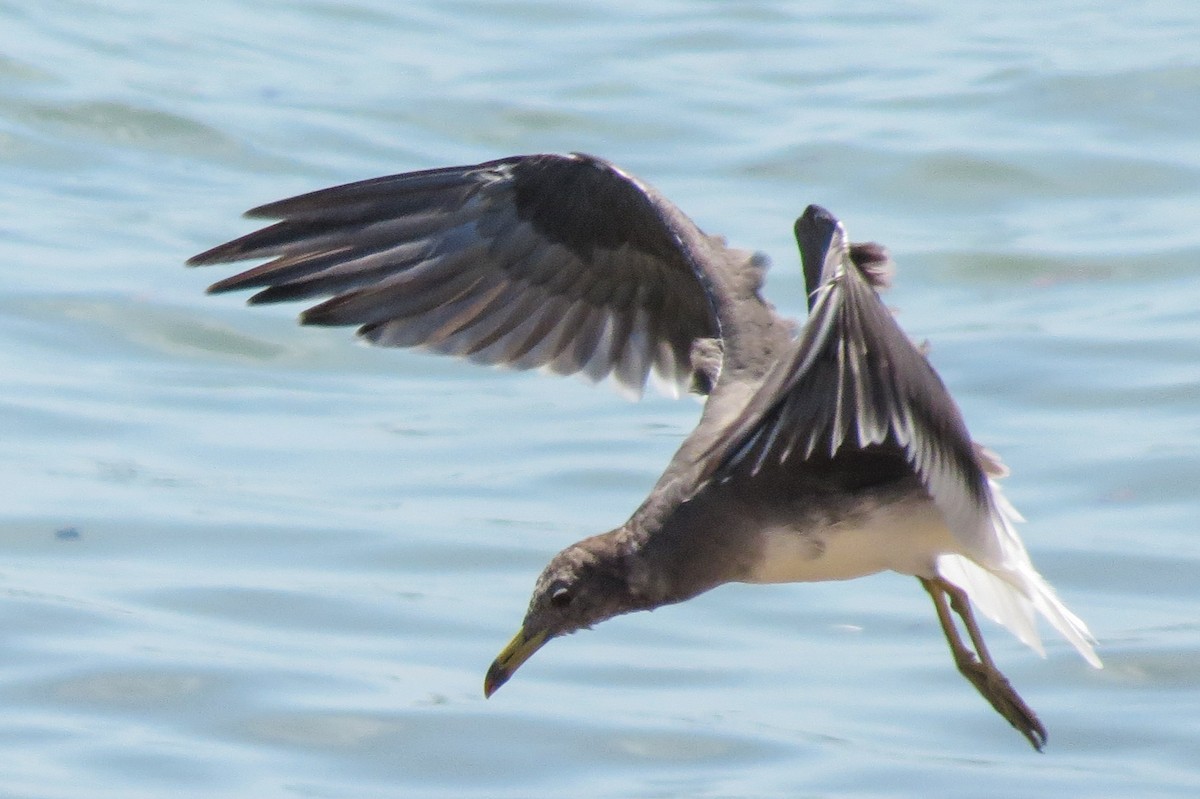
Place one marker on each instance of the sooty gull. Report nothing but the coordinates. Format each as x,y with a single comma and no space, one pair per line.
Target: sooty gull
825,452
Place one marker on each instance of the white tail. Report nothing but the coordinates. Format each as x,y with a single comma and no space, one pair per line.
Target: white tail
1011,592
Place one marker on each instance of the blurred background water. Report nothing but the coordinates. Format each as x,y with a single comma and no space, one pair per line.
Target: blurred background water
240,558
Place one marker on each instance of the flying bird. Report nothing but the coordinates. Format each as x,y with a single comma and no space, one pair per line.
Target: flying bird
826,451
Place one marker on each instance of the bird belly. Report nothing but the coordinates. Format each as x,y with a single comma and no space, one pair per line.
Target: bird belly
904,537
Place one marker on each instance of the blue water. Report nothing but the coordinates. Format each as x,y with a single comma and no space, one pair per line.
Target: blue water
241,558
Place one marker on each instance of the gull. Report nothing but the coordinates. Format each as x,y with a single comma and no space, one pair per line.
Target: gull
826,451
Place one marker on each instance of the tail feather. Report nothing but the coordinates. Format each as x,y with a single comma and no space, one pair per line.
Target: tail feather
1012,593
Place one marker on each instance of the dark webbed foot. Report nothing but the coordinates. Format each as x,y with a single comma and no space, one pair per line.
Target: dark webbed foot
997,690
977,666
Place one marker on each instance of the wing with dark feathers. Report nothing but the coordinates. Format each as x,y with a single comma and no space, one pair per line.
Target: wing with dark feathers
854,385
540,261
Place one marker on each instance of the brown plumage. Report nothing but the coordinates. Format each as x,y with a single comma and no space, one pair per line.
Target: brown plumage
827,452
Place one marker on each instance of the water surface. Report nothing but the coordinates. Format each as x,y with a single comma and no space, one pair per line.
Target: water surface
240,558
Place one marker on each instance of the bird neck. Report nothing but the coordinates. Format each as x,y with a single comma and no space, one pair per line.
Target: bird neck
661,573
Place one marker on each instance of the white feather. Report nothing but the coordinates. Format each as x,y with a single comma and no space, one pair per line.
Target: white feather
1010,591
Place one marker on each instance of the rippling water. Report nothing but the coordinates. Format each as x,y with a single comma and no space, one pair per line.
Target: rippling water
239,558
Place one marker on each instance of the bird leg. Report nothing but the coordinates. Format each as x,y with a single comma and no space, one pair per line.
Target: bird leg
978,666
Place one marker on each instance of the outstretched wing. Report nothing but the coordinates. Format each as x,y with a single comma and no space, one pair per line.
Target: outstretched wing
561,262
854,385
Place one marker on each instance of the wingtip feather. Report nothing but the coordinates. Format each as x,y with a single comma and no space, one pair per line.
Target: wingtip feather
876,265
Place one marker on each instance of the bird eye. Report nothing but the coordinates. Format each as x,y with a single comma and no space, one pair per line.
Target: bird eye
560,597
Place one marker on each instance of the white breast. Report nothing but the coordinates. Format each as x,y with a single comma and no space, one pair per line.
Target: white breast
904,537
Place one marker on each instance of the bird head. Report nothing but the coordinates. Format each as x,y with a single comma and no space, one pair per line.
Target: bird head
583,585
